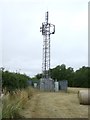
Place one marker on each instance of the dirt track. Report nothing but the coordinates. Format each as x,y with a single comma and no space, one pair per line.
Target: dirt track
55,105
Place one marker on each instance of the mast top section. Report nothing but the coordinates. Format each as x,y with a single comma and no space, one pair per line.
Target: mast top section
46,17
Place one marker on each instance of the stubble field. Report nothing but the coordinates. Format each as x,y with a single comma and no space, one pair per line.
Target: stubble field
55,105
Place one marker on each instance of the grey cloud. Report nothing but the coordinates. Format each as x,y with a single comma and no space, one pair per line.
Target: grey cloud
22,40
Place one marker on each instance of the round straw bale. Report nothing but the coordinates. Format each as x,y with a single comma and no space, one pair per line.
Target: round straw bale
84,97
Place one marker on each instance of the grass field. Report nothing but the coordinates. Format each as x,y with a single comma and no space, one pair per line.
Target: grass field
56,105
75,90
32,103
0,109
13,103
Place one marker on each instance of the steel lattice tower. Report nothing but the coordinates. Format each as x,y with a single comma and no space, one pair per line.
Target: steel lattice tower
47,29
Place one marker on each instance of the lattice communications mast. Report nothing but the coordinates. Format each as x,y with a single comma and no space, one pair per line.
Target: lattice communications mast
47,29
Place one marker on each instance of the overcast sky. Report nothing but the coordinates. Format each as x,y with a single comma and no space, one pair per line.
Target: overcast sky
21,40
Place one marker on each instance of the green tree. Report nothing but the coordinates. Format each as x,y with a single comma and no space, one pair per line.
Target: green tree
12,81
81,77
38,76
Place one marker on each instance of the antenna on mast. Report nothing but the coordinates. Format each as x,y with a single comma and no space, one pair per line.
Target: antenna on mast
46,32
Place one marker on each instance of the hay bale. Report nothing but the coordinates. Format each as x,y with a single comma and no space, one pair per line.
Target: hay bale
84,97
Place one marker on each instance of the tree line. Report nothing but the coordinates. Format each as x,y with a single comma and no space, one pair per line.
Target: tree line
78,78
12,81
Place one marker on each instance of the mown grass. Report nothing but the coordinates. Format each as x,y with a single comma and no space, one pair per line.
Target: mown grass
13,103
